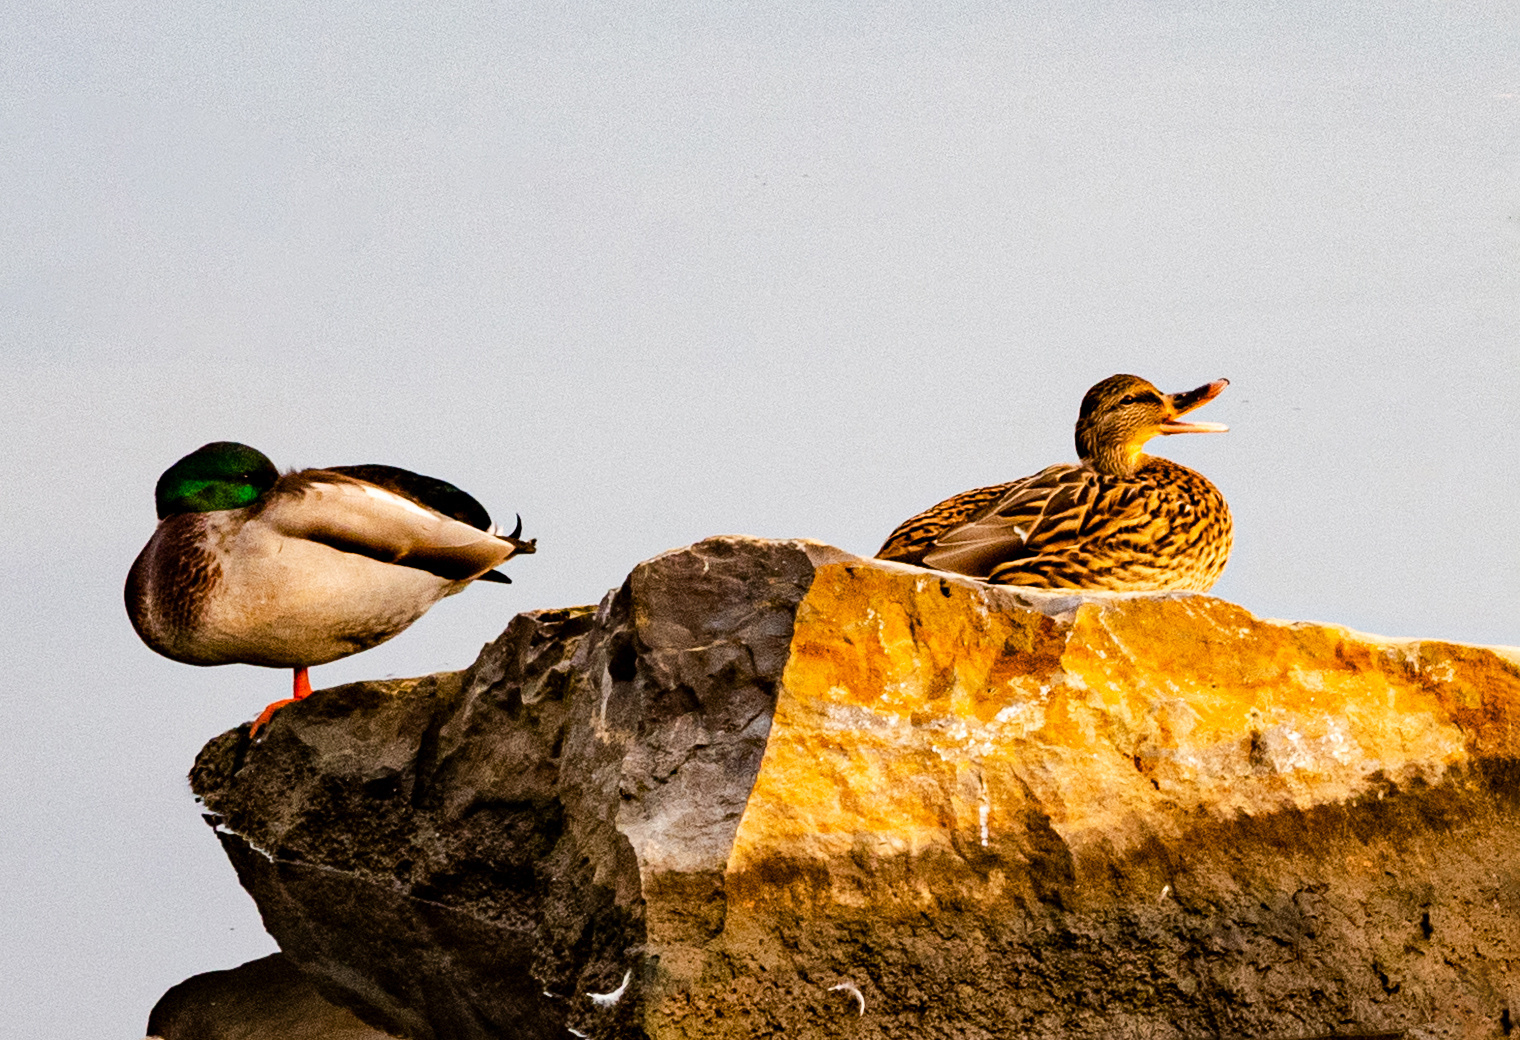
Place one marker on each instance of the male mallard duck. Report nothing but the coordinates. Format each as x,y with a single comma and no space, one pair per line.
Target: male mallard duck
1121,521
251,567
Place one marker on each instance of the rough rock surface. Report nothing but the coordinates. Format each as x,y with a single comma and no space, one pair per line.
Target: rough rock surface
768,789
266,999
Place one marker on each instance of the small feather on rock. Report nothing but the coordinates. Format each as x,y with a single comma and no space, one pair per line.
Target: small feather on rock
609,999
852,991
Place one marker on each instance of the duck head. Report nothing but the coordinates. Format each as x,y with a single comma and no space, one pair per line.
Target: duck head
220,475
1120,414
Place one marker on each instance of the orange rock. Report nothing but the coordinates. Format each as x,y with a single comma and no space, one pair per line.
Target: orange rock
929,717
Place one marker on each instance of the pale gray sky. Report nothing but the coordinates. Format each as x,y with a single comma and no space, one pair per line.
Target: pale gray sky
646,273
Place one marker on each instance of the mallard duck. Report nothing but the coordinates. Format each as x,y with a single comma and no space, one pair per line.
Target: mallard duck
251,567
1120,520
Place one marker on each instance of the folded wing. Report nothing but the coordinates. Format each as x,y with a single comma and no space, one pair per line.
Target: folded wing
359,517
1049,512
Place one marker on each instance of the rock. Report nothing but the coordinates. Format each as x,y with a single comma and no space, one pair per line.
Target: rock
266,999
770,789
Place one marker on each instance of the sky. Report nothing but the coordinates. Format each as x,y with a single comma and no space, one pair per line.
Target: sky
646,273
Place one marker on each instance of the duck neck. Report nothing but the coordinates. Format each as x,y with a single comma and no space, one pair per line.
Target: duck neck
1115,458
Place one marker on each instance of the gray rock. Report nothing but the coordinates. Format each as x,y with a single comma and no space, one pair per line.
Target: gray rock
468,855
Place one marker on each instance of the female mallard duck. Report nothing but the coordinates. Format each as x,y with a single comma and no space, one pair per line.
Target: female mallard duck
1121,521
251,567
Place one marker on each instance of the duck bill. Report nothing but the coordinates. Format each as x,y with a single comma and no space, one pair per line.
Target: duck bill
1186,402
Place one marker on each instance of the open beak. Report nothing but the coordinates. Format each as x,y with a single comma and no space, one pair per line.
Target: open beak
1183,403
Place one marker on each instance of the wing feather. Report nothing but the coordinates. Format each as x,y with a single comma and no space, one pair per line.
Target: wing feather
915,535
435,494
358,517
1033,514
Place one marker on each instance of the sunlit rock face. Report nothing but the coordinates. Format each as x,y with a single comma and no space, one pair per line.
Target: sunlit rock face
779,790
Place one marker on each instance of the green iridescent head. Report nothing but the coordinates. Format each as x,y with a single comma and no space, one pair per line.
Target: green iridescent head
220,475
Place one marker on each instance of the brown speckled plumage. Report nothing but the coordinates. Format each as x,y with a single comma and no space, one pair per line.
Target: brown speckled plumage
1118,521
167,591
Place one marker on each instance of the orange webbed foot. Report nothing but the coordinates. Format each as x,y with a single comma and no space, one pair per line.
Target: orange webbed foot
302,690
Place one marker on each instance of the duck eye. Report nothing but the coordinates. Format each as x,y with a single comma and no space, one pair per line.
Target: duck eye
1128,399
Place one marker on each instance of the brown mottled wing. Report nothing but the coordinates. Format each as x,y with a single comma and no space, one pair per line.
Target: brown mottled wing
915,535
1163,527
1036,516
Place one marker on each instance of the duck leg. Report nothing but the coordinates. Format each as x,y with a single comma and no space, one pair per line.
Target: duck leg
301,690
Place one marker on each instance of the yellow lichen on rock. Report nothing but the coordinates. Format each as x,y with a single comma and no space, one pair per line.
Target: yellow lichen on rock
1230,714
925,717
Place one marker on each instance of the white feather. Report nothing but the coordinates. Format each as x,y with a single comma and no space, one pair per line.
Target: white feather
609,999
852,991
